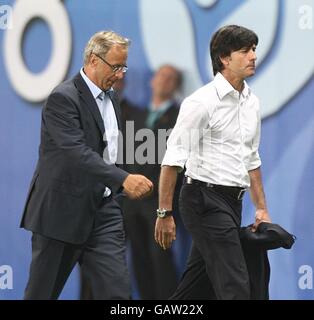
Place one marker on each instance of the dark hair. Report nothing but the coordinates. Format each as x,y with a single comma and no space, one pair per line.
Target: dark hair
228,39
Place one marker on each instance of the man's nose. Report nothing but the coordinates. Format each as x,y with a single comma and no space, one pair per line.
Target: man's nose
253,55
120,75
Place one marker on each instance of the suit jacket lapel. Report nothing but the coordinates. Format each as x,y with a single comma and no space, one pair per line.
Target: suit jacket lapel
116,107
90,102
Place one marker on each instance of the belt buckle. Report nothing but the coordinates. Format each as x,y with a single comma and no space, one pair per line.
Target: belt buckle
241,194
188,180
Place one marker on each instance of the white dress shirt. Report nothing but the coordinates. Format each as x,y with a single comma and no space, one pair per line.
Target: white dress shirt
108,115
217,134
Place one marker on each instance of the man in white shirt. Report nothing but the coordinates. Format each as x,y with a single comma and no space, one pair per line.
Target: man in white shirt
216,138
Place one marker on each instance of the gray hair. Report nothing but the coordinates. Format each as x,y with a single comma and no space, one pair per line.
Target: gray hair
101,42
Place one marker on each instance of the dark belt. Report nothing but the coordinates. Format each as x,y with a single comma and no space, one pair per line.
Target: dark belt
234,192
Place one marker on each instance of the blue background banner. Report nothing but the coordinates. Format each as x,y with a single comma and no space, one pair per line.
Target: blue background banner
42,42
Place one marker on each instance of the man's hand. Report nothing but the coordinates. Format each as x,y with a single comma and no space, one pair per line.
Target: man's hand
137,186
258,198
165,231
261,215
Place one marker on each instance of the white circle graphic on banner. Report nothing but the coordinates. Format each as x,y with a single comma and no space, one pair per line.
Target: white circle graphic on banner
35,87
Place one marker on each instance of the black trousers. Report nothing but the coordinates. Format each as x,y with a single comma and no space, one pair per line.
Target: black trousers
216,267
154,268
102,259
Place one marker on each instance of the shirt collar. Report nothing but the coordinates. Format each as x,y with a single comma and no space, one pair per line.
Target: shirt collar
92,86
162,108
246,90
223,87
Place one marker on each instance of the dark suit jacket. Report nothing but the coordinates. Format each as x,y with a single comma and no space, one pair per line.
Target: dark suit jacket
268,236
71,175
165,122
151,170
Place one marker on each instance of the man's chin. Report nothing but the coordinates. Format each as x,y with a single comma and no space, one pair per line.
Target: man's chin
251,73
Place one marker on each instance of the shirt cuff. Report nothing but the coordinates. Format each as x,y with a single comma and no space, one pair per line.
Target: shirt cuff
254,164
170,160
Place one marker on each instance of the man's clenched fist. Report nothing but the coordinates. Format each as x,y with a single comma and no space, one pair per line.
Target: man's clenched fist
137,186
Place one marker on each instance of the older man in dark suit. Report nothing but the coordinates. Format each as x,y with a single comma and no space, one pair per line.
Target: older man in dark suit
71,207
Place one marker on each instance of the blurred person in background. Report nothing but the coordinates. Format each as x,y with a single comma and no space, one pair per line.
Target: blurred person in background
154,269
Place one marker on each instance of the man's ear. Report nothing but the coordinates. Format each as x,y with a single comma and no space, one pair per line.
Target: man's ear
225,60
93,60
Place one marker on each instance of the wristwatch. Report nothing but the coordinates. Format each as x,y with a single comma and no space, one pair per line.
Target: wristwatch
163,213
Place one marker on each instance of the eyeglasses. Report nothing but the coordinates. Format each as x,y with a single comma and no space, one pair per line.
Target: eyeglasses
115,68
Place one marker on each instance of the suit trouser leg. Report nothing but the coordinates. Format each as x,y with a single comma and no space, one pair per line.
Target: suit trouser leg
194,283
214,226
153,267
137,233
52,263
103,261
162,261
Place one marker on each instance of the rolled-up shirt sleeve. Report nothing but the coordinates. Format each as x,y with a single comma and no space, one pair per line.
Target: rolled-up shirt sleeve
193,118
255,161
